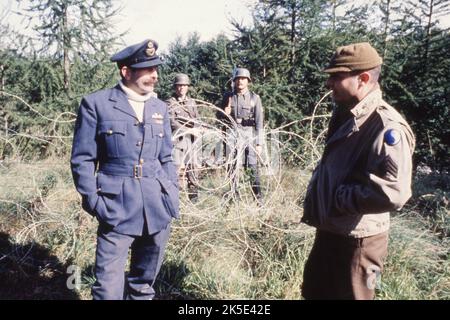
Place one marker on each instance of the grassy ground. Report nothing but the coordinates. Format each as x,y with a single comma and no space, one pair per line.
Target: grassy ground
216,251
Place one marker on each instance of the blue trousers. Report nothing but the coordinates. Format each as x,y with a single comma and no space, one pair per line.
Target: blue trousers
147,253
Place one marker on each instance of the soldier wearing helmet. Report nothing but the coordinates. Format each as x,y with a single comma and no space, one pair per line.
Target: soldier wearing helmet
183,114
243,107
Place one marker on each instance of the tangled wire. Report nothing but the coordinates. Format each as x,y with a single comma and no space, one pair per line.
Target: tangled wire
216,158
216,153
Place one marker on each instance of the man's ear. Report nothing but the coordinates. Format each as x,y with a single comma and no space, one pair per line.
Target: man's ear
125,72
364,77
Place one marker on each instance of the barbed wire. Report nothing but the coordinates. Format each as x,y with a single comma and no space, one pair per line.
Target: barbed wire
2,92
220,144
218,147
210,135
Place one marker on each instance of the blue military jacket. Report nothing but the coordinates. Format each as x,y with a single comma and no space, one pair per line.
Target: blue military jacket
122,167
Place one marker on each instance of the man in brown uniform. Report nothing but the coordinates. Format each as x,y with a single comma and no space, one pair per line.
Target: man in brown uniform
364,173
183,114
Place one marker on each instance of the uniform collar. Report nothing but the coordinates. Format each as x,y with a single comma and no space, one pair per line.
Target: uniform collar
361,113
134,96
243,94
121,102
366,105
179,99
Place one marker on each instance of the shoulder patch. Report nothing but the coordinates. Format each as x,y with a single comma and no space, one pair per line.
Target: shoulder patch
392,137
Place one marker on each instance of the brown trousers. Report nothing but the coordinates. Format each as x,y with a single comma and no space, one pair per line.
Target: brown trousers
341,267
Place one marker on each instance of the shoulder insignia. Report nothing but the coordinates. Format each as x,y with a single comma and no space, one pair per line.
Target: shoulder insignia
392,137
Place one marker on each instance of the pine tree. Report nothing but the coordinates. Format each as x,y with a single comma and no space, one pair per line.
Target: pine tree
73,29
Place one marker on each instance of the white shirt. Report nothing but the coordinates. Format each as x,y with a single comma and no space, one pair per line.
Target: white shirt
136,100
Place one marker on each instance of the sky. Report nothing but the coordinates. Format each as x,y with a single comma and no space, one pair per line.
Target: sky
165,20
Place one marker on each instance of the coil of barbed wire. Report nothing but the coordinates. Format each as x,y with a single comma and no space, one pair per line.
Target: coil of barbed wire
214,160
219,172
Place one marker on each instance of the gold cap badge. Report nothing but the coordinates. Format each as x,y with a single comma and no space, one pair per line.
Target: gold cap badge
150,51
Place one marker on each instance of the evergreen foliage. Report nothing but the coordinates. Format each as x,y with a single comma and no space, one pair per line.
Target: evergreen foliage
287,46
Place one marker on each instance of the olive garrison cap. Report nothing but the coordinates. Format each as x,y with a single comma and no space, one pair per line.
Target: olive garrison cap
354,57
181,78
138,56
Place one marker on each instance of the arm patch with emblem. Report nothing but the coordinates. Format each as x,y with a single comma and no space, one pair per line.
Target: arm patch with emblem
392,137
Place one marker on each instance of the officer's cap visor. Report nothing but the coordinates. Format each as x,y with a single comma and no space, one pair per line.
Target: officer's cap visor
147,64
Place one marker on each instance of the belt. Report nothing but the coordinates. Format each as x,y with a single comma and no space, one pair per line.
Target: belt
246,122
151,170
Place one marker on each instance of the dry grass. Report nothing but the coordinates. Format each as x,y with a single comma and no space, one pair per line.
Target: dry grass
237,251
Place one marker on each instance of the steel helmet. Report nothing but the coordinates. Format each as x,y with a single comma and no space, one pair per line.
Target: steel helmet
181,78
241,73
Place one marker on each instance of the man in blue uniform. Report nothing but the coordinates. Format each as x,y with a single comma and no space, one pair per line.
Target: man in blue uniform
122,167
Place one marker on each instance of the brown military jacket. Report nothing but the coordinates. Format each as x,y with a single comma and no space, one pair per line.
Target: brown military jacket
364,173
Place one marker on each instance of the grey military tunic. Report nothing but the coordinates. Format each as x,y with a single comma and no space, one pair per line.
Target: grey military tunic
183,114
247,131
